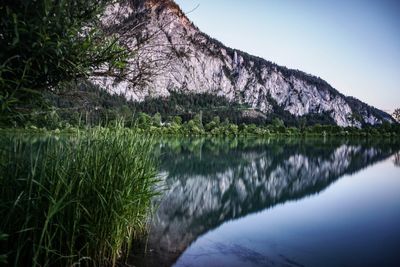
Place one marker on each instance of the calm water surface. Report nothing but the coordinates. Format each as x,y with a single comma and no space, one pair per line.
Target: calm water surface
251,202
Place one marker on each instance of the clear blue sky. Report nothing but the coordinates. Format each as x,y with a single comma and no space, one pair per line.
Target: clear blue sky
352,44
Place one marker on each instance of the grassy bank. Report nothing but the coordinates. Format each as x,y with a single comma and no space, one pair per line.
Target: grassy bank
76,199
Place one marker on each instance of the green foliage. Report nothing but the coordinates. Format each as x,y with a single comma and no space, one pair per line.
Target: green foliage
195,127
144,120
278,123
89,106
157,119
177,120
198,120
45,42
355,118
78,200
213,124
187,105
96,106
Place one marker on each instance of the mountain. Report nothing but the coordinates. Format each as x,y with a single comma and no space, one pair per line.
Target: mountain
170,54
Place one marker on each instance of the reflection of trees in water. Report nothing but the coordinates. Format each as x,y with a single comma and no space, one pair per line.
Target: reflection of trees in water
211,181
396,159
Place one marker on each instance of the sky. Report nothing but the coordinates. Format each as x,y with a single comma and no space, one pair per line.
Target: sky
352,44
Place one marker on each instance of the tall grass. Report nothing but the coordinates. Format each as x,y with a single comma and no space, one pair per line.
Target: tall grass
80,200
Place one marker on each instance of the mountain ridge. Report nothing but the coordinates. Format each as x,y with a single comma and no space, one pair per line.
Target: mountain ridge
182,58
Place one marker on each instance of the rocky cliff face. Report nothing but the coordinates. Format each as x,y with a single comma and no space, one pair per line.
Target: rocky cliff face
172,54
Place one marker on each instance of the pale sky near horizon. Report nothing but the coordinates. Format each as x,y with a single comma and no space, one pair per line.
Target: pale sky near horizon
352,44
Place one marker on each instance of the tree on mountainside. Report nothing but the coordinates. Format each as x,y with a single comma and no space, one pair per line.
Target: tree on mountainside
396,114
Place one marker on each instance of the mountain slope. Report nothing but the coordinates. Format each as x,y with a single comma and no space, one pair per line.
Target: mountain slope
171,54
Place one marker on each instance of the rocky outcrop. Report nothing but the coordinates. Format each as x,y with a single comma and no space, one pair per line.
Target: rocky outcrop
177,56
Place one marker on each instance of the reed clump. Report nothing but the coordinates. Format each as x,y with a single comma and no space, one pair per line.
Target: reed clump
76,200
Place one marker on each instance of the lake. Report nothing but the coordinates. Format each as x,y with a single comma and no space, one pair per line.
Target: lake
276,202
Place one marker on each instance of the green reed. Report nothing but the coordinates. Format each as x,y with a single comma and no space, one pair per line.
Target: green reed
76,200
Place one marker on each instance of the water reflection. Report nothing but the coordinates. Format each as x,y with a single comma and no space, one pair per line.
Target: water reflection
211,181
396,159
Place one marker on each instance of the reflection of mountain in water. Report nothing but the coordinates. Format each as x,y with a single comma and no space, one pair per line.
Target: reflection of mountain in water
212,182
396,159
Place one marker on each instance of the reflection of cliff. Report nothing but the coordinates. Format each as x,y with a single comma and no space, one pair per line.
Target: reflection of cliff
396,159
210,183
